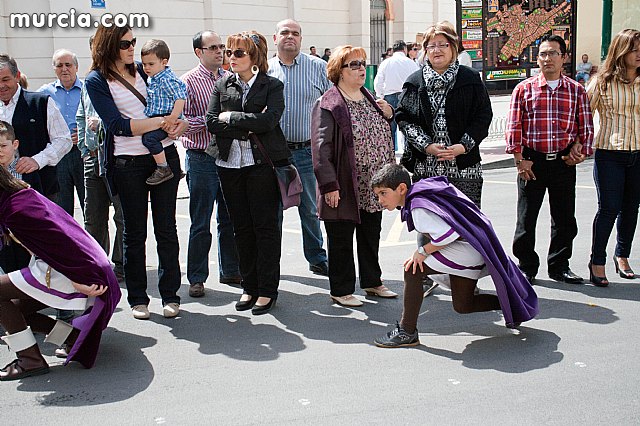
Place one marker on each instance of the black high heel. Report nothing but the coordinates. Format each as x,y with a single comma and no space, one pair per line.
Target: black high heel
263,309
245,305
624,273
597,281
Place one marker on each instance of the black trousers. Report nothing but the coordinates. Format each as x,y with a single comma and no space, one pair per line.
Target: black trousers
559,180
253,202
342,270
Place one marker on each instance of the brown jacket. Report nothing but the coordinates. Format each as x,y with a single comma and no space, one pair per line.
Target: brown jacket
334,161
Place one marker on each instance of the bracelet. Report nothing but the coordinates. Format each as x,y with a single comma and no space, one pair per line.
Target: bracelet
518,162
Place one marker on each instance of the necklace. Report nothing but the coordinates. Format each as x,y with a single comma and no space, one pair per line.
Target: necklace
347,95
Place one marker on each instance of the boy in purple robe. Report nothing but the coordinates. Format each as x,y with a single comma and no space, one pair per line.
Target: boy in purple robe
463,245
68,270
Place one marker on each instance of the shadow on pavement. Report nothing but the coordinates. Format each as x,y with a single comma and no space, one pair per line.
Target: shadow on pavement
618,288
121,372
233,335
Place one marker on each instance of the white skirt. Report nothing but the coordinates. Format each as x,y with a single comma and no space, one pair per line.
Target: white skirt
59,293
458,258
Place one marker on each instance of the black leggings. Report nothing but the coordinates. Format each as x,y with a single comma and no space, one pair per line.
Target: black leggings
462,293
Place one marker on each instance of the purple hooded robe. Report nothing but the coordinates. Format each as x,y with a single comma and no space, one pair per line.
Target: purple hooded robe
51,234
518,300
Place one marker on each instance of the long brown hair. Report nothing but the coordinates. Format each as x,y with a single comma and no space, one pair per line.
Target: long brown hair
10,184
105,50
614,67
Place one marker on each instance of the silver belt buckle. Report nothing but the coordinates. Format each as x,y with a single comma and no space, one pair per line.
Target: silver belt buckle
551,156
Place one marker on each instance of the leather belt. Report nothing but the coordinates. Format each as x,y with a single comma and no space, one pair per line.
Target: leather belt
530,154
298,145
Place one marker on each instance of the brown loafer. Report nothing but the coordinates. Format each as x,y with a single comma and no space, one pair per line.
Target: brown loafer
196,290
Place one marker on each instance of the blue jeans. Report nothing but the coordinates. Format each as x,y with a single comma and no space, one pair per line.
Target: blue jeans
70,174
130,176
392,99
96,212
617,178
204,190
312,240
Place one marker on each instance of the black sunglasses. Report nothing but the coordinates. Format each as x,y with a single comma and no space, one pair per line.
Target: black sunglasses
126,44
355,65
214,47
238,53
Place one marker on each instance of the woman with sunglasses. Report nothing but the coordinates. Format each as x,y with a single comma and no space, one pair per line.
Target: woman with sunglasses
244,116
117,89
615,95
350,142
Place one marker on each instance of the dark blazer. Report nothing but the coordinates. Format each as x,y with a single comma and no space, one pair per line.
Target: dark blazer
467,110
30,124
260,114
114,123
334,161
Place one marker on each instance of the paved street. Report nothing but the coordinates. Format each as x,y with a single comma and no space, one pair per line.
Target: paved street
313,362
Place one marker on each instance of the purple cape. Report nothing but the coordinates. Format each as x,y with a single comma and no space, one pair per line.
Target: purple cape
51,234
517,298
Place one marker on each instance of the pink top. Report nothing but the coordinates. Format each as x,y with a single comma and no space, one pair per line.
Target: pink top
130,107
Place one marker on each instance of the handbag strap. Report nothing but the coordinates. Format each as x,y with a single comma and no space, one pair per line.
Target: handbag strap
128,85
256,139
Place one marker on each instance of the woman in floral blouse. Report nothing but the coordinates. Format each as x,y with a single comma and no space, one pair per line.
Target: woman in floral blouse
351,141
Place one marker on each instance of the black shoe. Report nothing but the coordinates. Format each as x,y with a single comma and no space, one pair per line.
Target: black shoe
232,280
566,276
321,268
263,309
596,280
624,273
246,304
398,338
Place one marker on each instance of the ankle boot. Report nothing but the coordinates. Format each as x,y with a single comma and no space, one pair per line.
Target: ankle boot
29,362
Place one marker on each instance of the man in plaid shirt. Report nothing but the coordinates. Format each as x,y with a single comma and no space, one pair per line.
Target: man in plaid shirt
549,131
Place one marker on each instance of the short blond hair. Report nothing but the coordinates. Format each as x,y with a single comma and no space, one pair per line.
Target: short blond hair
337,58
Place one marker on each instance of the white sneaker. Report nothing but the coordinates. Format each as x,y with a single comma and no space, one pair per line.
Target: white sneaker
349,300
171,310
140,312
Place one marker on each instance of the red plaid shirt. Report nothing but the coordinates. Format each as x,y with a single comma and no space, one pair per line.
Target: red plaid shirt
547,120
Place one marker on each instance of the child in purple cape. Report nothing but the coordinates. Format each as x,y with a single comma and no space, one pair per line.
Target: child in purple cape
68,270
463,245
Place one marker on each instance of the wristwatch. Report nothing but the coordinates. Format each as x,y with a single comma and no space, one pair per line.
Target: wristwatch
422,252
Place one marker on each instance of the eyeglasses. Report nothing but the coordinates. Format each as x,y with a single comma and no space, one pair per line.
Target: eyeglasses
238,53
355,65
551,54
214,47
441,46
126,44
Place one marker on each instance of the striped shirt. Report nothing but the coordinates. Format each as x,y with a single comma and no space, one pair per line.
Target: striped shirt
304,82
200,82
549,120
130,107
163,92
619,109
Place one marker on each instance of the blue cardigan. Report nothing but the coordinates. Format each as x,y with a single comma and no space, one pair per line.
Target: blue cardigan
100,95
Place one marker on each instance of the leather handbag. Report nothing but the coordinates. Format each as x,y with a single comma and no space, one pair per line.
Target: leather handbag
289,181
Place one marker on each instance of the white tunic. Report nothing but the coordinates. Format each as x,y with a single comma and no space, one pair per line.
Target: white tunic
58,292
456,257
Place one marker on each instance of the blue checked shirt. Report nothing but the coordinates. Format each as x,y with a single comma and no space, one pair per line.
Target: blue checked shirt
163,91
304,82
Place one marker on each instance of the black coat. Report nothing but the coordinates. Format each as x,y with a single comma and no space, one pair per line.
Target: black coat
467,110
261,114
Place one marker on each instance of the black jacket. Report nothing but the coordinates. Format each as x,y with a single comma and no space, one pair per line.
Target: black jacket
260,114
467,110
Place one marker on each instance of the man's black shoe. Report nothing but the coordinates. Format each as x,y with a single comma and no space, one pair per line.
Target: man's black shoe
566,276
321,268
